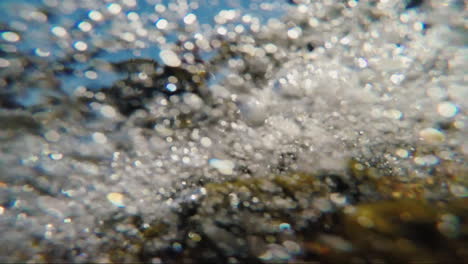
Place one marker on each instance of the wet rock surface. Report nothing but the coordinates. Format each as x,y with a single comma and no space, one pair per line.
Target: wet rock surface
292,132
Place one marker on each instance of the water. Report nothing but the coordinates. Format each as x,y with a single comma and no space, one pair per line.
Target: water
124,122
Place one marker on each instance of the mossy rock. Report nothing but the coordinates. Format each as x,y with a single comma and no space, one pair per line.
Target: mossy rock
253,219
405,231
293,217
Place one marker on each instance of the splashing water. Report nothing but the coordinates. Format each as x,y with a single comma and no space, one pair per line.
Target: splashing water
119,115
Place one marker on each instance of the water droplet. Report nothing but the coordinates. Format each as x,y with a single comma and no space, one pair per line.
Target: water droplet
205,142
56,156
294,33
225,167
95,15
190,19
59,31
447,109
99,137
428,160
402,153
170,58
80,46
92,75
171,87
10,36
397,78
116,199
362,63
41,53
108,111
114,8
162,24
431,135
85,26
